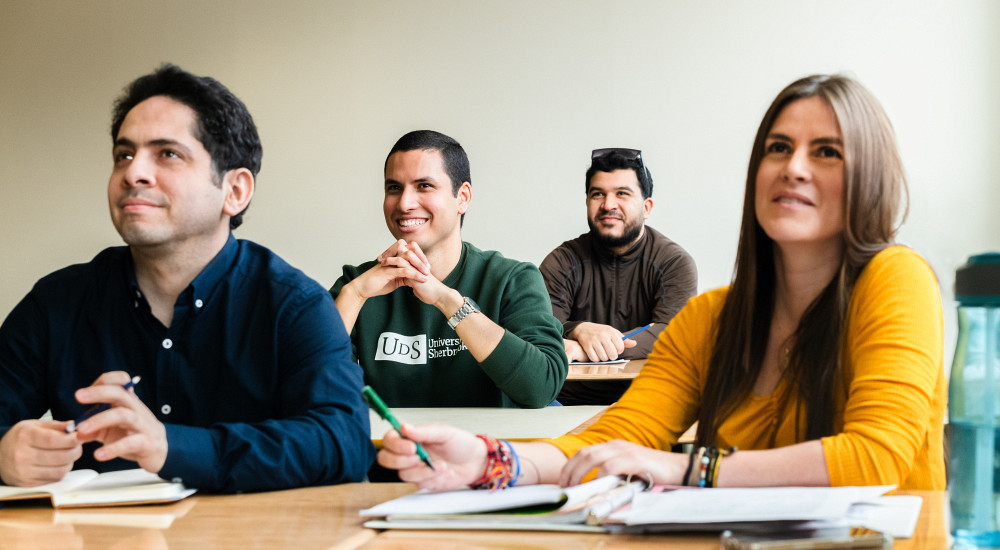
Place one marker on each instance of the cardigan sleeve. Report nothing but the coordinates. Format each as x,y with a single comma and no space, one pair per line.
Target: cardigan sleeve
662,402
894,377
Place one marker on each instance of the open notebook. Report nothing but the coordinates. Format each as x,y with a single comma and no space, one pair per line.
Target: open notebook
88,488
532,507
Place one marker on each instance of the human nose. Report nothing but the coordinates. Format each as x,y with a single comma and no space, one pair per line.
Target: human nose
139,171
798,168
609,203
407,199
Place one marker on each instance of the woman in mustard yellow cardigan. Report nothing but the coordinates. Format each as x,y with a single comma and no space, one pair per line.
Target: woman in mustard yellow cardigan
821,362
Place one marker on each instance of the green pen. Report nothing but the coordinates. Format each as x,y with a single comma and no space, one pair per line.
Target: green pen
377,405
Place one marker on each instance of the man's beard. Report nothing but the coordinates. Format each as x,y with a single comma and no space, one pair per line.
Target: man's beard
628,236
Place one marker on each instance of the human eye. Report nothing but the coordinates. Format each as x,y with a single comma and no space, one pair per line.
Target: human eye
596,194
169,153
829,151
121,155
777,147
392,188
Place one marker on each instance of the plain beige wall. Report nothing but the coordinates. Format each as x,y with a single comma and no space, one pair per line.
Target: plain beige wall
528,87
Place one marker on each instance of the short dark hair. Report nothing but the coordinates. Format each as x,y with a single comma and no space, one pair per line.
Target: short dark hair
224,127
617,161
456,162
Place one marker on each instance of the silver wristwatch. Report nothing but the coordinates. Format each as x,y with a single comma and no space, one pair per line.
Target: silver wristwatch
468,306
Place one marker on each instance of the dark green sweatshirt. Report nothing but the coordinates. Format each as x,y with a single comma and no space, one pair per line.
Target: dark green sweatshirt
414,359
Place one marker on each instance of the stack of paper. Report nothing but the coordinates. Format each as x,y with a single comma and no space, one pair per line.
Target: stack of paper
611,505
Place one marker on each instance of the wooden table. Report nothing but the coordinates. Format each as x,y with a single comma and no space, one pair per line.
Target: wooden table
327,517
318,517
606,372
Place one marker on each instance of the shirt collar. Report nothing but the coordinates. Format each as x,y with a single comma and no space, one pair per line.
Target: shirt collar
201,288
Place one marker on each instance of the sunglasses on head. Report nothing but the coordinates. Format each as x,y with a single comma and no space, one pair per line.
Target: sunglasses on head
630,154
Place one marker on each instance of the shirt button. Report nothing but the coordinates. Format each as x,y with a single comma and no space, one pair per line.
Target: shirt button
167,343
135,303
165,409
176,480
138,294
198,303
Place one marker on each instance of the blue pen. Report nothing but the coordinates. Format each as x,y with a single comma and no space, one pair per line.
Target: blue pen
99,408
636,331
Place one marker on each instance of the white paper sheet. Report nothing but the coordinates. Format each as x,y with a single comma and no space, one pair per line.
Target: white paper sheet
743,505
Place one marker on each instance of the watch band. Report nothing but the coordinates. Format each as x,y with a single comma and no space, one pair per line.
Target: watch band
468,307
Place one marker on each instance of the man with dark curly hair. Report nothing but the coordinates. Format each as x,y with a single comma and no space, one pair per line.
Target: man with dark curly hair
245,375
617,278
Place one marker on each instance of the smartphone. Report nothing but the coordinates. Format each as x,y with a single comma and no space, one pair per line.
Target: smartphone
805,539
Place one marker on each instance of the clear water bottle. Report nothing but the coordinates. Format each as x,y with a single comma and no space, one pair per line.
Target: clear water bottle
974,406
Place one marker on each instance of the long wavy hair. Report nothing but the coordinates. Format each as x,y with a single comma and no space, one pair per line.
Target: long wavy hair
874,185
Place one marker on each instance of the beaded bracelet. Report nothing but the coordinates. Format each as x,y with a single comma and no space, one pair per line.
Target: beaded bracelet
695,458
499,462
707,459
704,467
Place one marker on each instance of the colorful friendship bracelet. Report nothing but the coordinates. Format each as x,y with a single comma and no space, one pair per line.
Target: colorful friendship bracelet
500,460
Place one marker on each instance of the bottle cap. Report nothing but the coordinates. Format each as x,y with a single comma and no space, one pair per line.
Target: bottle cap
978,281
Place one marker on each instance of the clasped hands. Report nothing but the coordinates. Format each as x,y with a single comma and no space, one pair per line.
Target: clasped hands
36,452
596,342
402,264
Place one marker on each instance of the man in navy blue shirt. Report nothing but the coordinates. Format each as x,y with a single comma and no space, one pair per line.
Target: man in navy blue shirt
246,377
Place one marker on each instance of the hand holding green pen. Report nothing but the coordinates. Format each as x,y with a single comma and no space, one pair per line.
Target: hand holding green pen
377,405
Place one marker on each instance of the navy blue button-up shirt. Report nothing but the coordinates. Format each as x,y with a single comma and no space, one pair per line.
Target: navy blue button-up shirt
253,378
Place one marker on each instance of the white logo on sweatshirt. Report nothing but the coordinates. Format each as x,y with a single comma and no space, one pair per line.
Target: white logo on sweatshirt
399,348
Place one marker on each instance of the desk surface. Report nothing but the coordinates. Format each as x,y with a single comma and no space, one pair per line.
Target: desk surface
317,517
515,424
606,372
327,517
